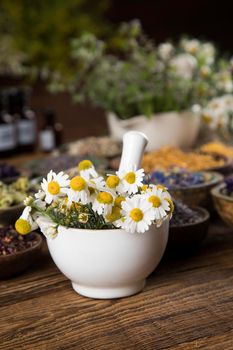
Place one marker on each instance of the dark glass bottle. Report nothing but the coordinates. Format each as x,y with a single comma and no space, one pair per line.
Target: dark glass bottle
25,119
8,139
51,133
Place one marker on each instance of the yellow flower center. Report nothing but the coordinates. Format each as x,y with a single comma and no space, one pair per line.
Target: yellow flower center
78,183
83,218
53,187
161,187
76,206
215,105
130,177
112,181
205,72
155,201
206,118
22,226
85,165
136,214
192,49
144,188
171,204
115,214
118,201
104,198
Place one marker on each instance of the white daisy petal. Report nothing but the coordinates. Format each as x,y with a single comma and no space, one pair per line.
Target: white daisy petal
103,203
54,186
131,179
137,215
157,198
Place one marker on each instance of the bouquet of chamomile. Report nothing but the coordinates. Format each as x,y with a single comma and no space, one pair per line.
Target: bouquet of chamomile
90,201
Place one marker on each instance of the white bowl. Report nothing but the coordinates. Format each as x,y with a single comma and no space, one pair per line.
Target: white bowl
107,264
162,129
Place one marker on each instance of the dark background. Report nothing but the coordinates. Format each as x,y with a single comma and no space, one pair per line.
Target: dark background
168,19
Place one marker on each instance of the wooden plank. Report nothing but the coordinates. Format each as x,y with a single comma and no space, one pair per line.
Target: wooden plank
187,304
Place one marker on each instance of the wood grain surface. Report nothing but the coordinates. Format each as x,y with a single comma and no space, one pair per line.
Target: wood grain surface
187,304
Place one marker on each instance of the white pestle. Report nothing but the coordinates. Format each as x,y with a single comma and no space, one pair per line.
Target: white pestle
134,144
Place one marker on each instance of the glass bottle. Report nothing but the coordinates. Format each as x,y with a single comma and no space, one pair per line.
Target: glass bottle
25,119
8,139
51,134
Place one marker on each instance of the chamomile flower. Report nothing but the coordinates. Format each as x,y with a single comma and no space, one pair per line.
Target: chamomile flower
191,46
54,185
131,179
118,201
205,71
40,199
122,201
184,65
25,224
114,215
78,190
137,214
97,183
87,169
40,195
28,201
113,182
159,199
103,203
165,51
144,188
83,218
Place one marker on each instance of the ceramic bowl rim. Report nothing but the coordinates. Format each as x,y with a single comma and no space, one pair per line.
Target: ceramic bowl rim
13,207
216,193
39,241
204,218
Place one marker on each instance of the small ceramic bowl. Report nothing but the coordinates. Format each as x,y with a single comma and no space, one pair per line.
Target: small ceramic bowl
198,195
9,215
223,204
185,239
13,264
224,169
22,173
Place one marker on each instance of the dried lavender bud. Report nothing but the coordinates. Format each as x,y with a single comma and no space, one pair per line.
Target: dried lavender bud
8,171
176,177
229,186
182,214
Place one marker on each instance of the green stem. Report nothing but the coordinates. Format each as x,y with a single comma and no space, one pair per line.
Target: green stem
40,210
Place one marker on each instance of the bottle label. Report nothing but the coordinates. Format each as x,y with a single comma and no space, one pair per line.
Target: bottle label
47,140
7,137
26,132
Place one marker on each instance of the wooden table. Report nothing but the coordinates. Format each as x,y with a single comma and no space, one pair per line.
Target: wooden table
187,304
